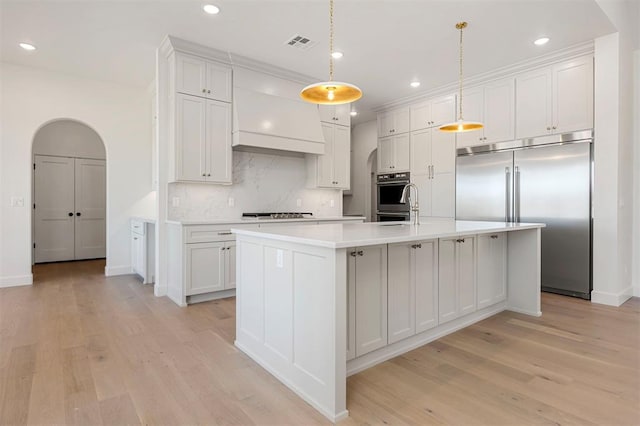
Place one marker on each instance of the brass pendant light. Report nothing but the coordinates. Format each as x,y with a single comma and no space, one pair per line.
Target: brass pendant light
461,125
331,92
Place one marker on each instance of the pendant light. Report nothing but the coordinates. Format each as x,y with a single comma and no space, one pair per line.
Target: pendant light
331,92
461,125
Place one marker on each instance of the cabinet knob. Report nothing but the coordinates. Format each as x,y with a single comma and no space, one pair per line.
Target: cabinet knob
204,174
494,237
208,174
353,254
554,127
208,91
135,238
460,240
360,253
78,214
548,128
204,90
70,214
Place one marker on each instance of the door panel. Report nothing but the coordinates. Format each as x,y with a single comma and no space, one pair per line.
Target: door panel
91,205
443,110
421,151
401,294
342,156
473,110
447,292
205,267
371,299
230,266
190,75
218,82
423,182
426,285
401,153
218,146
54,200
443,187
533,104
465,253
573,95
191,138
499,114
555,190
443,151
481,186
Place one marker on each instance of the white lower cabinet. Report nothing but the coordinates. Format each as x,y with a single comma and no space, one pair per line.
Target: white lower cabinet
367,280
457,278
413,289
492,269
143,250
208,267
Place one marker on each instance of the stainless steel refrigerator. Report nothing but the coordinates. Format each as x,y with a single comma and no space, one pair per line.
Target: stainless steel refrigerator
547,179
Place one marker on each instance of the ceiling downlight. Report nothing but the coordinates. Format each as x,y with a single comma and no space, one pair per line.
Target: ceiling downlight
27,46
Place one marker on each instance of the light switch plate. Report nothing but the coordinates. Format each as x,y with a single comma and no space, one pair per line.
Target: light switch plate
332,203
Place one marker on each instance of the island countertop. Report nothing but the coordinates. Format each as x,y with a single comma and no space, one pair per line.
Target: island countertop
367,234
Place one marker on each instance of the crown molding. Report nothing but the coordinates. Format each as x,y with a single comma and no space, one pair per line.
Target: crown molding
273,70
171,43
496,74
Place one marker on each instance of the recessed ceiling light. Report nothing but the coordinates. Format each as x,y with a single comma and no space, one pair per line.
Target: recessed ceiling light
415,84
353,113
211,9
27,46
541,41
337,55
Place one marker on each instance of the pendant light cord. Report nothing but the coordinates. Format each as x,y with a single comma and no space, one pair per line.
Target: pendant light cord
330,40
460,101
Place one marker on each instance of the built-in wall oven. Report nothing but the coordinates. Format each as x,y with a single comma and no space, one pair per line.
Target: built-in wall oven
390,188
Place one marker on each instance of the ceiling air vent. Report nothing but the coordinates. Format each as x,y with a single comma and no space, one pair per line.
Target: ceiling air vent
300,42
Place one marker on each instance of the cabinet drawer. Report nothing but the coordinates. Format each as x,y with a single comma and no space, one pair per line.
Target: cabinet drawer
211,233
138,227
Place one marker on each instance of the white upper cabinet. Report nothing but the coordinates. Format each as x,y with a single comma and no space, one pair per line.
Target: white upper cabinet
433,113
199,77
218,146
331,169
555,99
394,154
493,105
336,114
393,122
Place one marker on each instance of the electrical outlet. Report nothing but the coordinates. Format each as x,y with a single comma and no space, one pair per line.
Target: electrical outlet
299,202
175,201
231,202
332,203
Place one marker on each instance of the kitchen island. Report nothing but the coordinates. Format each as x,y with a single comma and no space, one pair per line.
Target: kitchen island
318,303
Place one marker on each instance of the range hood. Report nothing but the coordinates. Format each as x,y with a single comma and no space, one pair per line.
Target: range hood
273,122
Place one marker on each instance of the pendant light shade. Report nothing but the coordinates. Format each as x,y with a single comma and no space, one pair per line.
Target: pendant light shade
331,92
461,126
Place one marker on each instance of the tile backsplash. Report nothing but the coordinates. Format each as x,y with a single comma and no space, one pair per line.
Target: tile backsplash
261,183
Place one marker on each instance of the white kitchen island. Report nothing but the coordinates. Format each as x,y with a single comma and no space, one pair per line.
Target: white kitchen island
318,303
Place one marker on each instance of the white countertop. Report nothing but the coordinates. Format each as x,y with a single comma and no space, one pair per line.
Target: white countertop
239,221
143,219
367,234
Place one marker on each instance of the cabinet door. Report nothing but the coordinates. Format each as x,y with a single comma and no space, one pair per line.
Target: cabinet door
401,120
327,113
371,299
447,291
533,104
218,82
443,110
466,277
342,156
385,155
401,153
325,161
218,142
191,123
573,95
385,124
342,114
423,182
230,265
204,267
191,75
443,152
472,110
420,116
425,272
401,294
351,307
137,254
492,269
443,195
420,143
499,114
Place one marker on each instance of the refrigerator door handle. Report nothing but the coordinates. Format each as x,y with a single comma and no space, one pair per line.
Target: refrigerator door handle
507,192
516,194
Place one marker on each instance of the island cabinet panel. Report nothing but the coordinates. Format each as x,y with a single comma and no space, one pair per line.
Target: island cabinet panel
368,271
412,295
457,278
492,269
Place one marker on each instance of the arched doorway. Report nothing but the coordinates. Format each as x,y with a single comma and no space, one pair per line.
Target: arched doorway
69,193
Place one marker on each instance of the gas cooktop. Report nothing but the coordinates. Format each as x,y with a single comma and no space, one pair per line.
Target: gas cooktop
285,215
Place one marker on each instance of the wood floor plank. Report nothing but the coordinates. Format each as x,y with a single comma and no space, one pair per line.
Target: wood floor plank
80,348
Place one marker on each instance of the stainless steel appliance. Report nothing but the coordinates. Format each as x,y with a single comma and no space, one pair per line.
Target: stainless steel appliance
393,217
285,215
390,188
546,180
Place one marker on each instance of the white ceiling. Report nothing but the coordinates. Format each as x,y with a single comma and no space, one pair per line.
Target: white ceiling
387,43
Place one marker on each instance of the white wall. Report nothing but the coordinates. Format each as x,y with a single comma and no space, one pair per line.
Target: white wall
636,185
31,97
364,140
68,138
614,124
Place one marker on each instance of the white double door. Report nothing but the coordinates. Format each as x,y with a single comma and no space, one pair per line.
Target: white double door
69,209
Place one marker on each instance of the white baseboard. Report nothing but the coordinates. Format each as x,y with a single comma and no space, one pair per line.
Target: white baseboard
612,299
16,281
112,271
159,291
636,291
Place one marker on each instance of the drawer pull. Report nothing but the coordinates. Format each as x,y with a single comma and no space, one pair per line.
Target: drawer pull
416,246
460,240
225,233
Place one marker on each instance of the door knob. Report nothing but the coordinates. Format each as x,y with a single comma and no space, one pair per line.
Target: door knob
78,214
70,214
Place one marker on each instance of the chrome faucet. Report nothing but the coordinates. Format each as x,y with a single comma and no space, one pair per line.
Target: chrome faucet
406,196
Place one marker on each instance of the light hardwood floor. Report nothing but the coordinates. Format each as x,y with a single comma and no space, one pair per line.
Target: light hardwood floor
79,348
